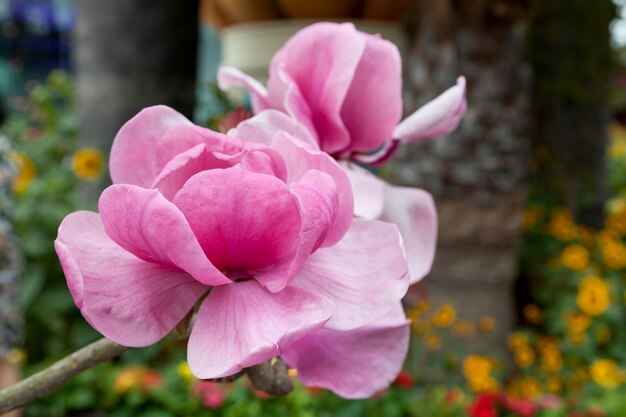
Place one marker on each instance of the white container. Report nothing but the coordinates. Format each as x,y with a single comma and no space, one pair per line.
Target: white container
250,46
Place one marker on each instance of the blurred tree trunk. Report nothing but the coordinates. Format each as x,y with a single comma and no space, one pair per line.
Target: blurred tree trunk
130,54
478,173
570,51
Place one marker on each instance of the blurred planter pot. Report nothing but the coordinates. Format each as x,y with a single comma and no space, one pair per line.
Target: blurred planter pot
250,46
320,9
384,9
238,11
222,13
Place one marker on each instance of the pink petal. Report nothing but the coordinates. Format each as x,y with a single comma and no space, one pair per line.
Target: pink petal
299,159
199,158
265,161
130,301
373,105
228,77
243,324
285,95
144,223
188,163
365,274
436,118
369,192
147,142
413,210
322,59
317,195
133,154
243,220
264,126
356,363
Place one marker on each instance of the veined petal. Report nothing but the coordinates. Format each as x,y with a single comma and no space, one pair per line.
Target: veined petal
186,164
243,324
134,150
228,77
322,60
244,220
132,302
144,223
317,195
356,363
369,192
436,118
373,104
413,210
299,159
264,126
365,274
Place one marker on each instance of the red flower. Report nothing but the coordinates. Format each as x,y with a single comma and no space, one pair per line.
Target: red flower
453,396
520,406
483,406
405,380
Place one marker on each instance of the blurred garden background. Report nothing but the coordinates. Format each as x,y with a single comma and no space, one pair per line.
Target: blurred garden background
524,312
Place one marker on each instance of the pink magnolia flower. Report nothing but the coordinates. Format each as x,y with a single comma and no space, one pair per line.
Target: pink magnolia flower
261,228
345,88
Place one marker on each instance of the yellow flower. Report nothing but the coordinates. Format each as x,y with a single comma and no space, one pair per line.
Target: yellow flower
575,257
606,373
577,322
524,356
617,142
16,356
594,296
577,339
517,339
444,316
432,341
26,171
486,324
477,367
532,215
183,370
463,328
87,164
137,378
545,343
422,306
603,335
487,384
554,384
551,360
530,387
420,326
562,225
613,250
127,379
616,221
533,314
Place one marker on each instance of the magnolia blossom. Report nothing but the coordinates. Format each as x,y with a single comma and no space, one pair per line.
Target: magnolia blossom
257,229
345,88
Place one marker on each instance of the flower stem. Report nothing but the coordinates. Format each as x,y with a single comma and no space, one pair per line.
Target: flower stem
270,376
47,380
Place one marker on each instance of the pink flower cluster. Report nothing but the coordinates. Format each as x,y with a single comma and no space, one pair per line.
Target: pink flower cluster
257,227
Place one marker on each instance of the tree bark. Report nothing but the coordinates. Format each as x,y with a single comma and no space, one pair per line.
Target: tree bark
570,51
477,174
130,54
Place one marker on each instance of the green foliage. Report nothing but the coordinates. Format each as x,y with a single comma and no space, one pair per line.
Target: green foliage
44,137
